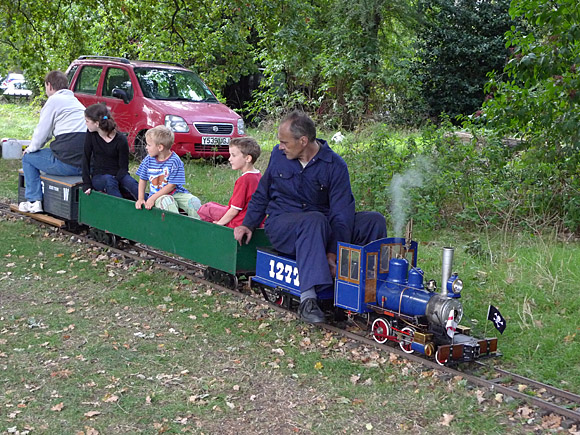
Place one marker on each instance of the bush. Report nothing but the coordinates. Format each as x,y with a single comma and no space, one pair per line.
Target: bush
443,180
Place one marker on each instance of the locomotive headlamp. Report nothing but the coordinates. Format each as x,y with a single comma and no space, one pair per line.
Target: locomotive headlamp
454,286
457,286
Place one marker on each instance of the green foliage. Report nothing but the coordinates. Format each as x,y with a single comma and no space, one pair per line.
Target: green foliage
344,60
536,99
459,42
444,180
215,37
539,86
332,57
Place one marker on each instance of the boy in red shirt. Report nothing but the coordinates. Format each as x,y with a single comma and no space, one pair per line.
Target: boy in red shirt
244,151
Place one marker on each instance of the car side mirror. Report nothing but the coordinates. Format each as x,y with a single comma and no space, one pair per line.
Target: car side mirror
121,94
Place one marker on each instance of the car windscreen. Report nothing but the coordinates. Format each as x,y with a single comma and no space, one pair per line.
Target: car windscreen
175,85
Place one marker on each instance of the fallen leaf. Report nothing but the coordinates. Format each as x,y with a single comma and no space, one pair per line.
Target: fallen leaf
525,411
61,374
446,419
91,414
551,421
354,379
57,407
110,398
318,366
522,387
479,394
369,426
499,397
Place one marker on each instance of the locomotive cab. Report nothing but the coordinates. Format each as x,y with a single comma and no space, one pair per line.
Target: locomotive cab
362,270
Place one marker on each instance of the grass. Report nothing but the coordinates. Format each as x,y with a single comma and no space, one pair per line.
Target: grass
18,120
531,279
90,342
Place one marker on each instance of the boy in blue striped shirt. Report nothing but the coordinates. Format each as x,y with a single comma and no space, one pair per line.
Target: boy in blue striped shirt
163,170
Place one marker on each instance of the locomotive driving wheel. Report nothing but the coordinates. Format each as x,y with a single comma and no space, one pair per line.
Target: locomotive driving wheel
407,339
381,330
440,359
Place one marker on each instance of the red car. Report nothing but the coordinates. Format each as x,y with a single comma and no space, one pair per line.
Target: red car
143,94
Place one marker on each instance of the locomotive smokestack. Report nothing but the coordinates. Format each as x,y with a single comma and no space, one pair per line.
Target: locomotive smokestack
446,268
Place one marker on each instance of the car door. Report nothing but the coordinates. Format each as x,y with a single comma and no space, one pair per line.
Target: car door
86,86
118,93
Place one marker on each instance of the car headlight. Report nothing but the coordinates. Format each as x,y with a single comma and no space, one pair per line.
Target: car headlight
241,126
457,286
176,124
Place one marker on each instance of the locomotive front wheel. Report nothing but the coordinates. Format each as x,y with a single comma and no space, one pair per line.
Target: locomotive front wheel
407,339
281,300
381,330
440,360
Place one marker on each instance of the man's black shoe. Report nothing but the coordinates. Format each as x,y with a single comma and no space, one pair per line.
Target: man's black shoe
310,312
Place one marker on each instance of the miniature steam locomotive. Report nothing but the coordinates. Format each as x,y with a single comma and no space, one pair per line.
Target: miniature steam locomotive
381,283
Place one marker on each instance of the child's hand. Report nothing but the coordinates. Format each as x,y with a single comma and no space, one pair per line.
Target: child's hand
149,204
139,204
218,223
88,191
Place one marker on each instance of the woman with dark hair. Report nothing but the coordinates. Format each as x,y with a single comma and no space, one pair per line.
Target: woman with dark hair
106,156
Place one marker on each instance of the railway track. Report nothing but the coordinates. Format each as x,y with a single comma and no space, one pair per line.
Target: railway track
537,394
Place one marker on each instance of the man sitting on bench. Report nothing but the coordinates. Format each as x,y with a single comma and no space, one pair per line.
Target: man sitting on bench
63,116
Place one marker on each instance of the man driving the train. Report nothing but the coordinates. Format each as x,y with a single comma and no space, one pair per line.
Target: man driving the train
306,195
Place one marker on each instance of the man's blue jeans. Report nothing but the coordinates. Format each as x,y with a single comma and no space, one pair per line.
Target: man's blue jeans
43,160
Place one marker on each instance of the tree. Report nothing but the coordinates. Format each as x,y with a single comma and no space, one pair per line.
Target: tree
212,36
330,57
537,97
459,42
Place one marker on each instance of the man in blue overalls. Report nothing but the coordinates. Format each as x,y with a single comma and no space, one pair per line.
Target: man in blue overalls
306,194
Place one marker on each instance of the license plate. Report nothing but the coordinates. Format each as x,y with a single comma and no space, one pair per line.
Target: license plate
215,141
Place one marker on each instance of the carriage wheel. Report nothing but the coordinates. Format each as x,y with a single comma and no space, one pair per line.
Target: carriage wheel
407,339
381,329
112,240
231,281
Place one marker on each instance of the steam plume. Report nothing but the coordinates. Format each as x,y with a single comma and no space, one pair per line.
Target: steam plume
400,198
